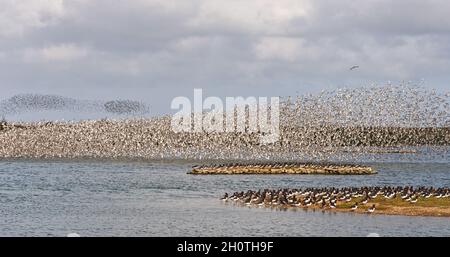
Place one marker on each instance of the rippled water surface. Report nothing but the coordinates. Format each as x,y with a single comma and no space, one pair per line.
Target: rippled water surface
100,198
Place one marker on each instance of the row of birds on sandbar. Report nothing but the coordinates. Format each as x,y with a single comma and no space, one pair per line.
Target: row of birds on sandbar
330,197
271,165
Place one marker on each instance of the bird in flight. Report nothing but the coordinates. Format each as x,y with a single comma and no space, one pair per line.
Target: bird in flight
354,67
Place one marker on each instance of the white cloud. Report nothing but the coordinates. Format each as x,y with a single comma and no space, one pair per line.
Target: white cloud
192,43
18,16
58,53
278,48
265,16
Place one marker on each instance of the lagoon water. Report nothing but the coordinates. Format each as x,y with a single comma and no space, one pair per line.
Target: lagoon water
139,198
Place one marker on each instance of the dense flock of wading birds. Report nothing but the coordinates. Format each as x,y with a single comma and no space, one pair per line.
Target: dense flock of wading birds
35,102
283,168
312,127
330,198
259,165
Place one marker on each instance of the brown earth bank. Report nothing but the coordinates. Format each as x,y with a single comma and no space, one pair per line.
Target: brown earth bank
423,207
384,209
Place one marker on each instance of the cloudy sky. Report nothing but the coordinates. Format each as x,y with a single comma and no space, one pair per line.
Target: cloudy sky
154,50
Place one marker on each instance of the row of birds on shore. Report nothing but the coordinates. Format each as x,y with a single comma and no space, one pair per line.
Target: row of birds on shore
329,197
262,165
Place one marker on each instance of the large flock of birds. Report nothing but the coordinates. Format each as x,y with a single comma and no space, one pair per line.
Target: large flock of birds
36,102
334,125
330,198
283,168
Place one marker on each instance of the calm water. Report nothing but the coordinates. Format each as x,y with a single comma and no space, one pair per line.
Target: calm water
98,198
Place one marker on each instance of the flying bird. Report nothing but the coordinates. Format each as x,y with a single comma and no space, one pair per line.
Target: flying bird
354,67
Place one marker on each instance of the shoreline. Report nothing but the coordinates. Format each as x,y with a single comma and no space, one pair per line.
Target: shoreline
405,212
412,211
